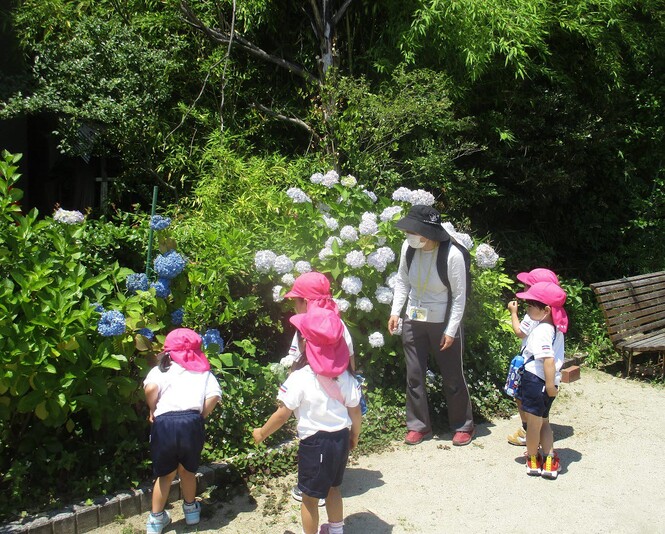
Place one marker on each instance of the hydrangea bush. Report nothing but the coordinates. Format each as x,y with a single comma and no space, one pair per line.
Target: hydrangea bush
342,229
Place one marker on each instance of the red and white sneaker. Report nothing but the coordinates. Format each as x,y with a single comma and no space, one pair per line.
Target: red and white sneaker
551,466
533,464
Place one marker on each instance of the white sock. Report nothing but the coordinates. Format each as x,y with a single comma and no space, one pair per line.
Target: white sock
336,528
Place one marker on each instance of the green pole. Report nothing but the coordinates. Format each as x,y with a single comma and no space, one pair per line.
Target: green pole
148,268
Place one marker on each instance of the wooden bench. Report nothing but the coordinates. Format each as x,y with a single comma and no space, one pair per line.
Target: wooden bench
634,310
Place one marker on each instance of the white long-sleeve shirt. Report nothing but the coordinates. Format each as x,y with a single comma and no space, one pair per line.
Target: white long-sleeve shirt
422,286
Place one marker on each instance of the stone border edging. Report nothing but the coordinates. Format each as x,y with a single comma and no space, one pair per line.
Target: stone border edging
80,518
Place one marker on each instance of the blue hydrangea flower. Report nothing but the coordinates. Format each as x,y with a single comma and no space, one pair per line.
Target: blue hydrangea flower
157,222
162,287
98,307
111,323
169,265
137,282
146,332
177,316
213,337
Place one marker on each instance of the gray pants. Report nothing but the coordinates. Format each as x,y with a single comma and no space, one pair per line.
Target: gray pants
420,339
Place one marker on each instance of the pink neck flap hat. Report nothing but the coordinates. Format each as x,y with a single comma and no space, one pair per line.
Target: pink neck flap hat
315,289
184,348
325,346
536,275
553,296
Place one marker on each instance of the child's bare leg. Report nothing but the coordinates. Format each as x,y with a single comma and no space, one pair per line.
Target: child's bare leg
519,410
534,423
334,505
160,492
309,513
187,484
547,437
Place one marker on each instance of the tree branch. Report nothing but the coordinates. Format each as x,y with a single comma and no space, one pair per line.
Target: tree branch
291,120
222,37
340,13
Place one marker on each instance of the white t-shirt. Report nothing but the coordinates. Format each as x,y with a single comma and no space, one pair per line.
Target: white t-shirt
314,409
294,351
180,389
539,346
526,326
421,285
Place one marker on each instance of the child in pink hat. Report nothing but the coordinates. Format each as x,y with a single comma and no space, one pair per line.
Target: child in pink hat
544,355
325,399
180,392
522,329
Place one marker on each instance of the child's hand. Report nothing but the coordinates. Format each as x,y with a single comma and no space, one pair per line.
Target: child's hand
257,435
552,391
512,306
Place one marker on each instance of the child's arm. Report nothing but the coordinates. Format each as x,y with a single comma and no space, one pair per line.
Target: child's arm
209,405
515,320
151,397
273,424
550,373
356,423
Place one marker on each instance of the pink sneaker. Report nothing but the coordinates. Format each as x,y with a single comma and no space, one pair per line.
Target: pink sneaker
413,437
463,437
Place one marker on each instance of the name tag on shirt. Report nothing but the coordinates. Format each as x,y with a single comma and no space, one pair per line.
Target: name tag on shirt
416,313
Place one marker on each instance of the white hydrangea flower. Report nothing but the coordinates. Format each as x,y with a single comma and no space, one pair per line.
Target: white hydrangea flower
384,295
464,239
325,253
368,227
402,194
375,260
68,216
390,212
277,294
371,195
352,285
316,178
283,264
298,195
348,233
287,279
303,266
322,207
486,256
330,179
331,222
376,340
342,304
381,240
391,280
333,239
349,181
387,254
448,227
364,304
368,216
355,259
264,260
287,361
420,196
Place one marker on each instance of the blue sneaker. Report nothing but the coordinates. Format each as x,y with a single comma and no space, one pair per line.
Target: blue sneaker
155,525
192,513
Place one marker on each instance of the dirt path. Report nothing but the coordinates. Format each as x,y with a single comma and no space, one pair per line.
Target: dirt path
610,435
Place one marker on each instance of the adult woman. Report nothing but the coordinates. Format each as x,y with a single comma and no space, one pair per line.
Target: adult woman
432,325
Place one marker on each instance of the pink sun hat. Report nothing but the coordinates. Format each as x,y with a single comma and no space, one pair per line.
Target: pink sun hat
553,296
325,347
315,289
536,275
184,347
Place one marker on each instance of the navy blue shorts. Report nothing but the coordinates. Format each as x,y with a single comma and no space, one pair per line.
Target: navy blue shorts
322,461
176,438
535,399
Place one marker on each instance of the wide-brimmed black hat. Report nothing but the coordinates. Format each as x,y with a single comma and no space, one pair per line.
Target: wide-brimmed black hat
424,221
